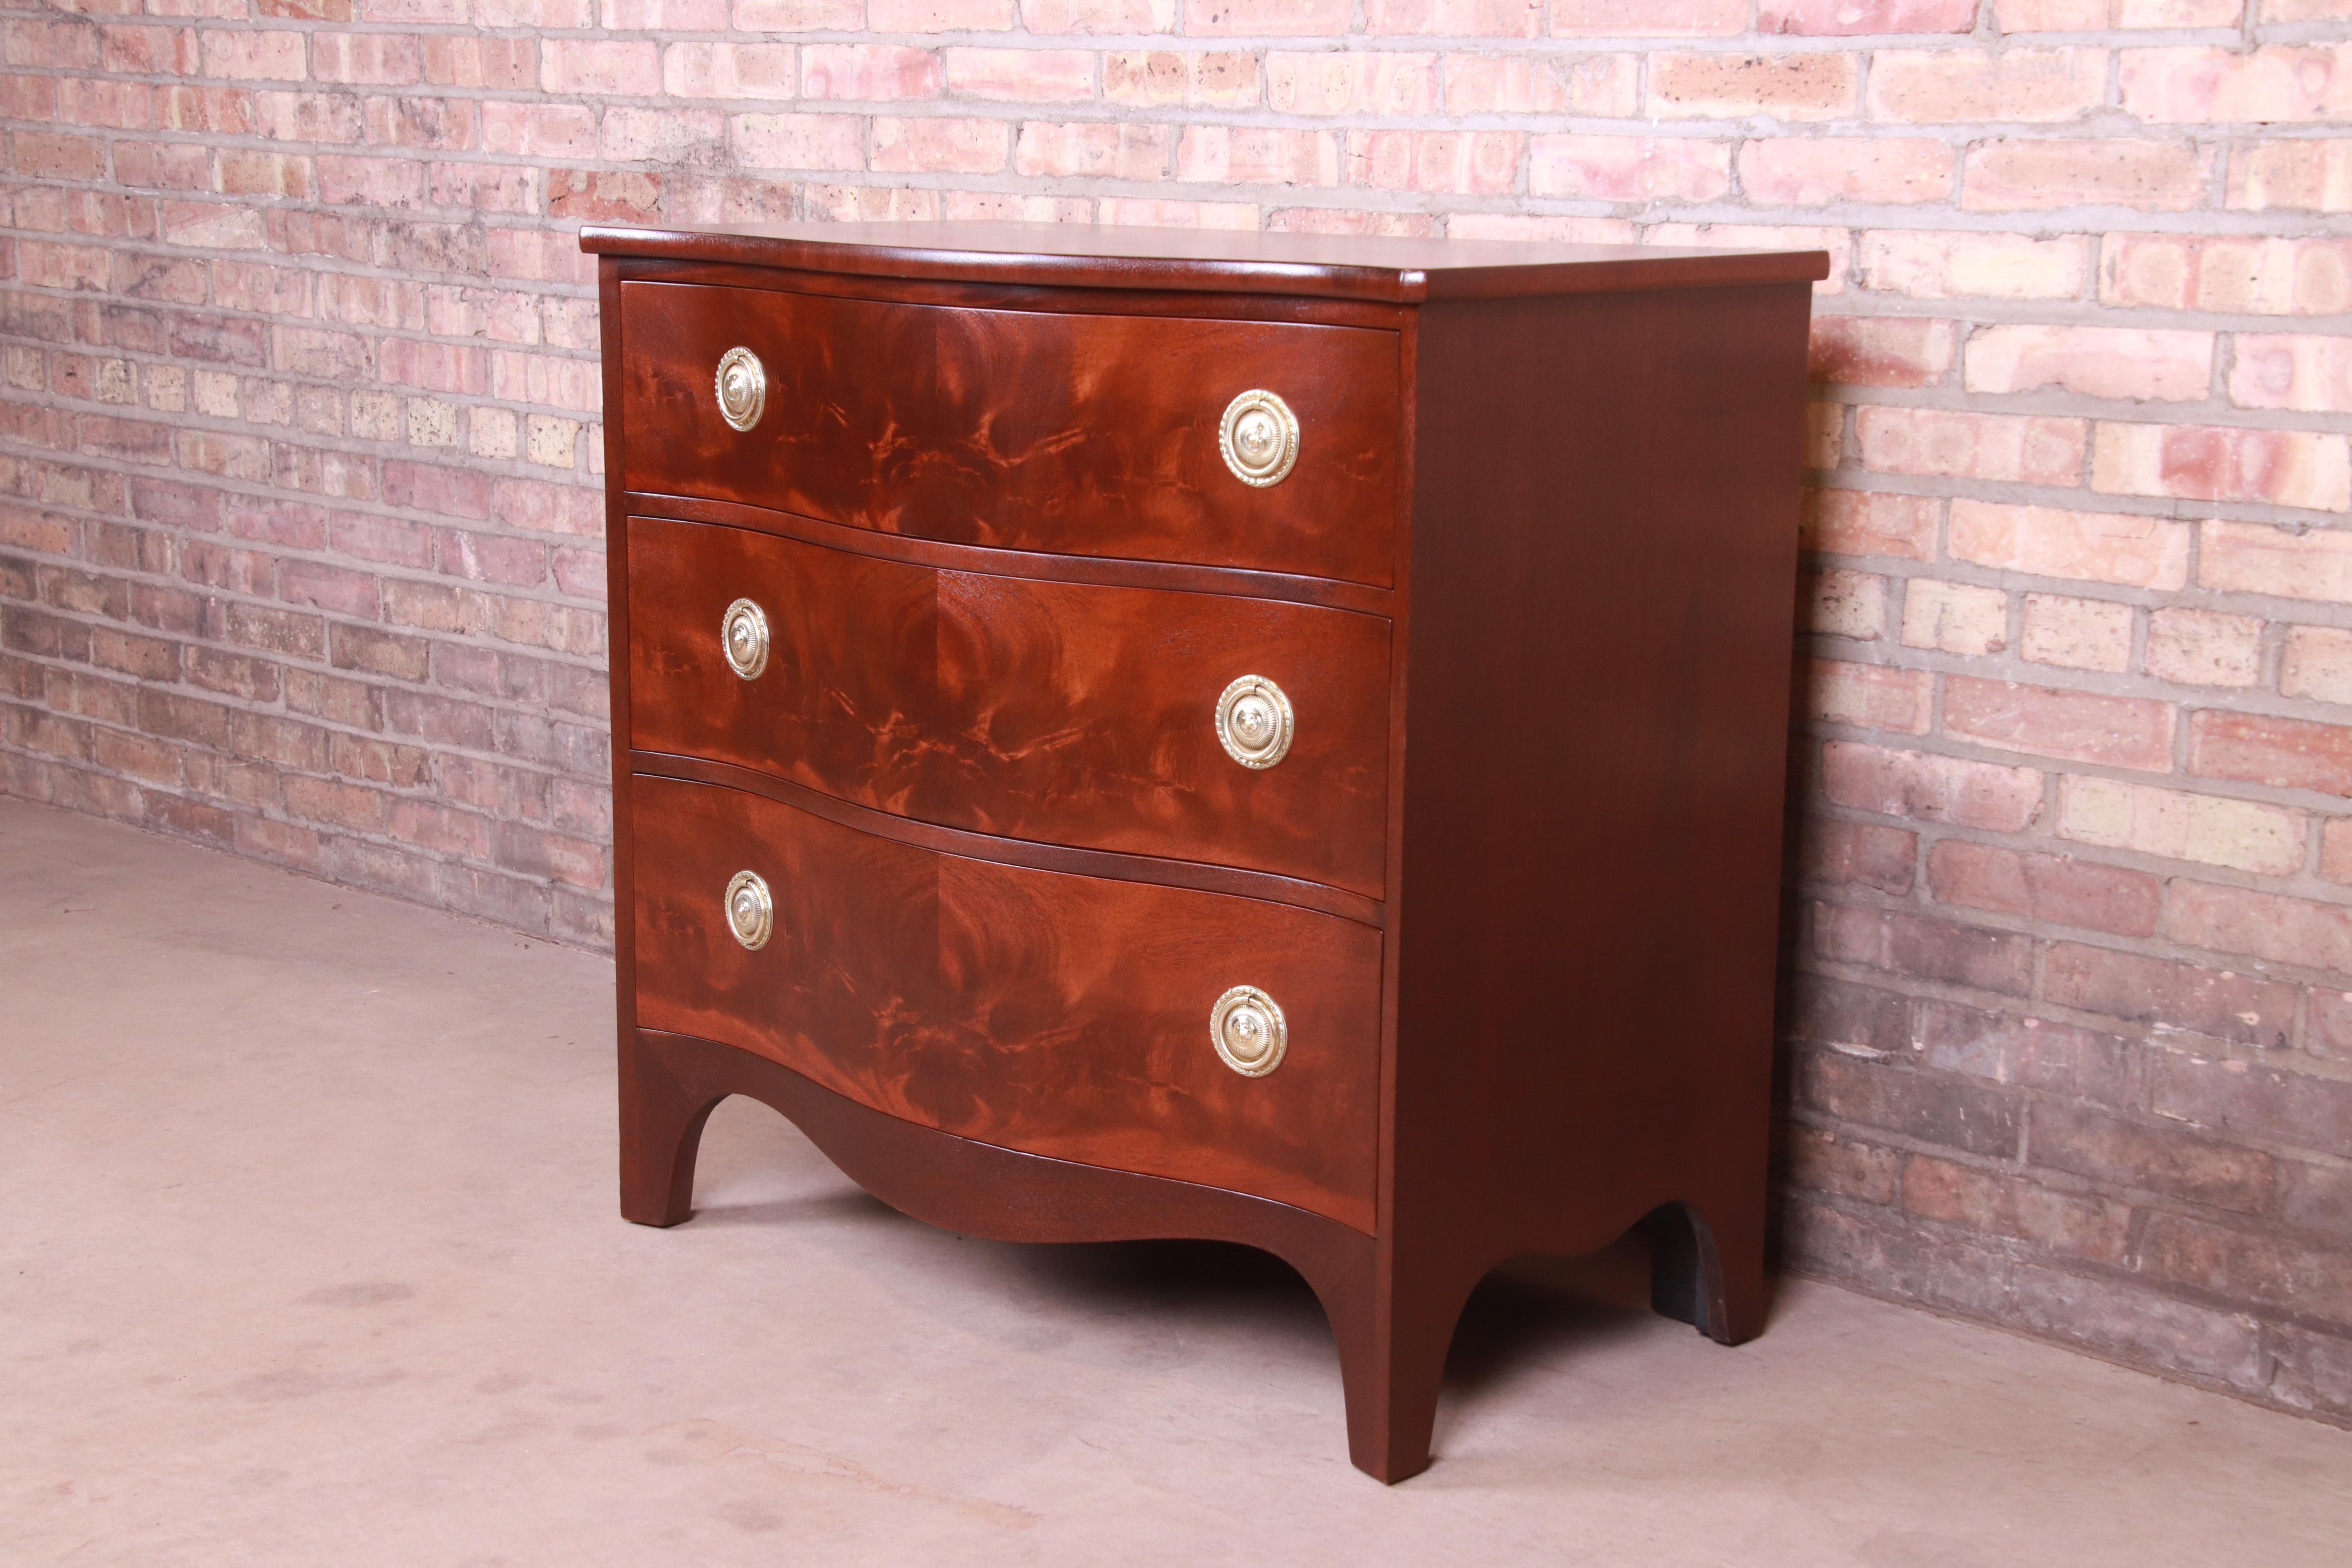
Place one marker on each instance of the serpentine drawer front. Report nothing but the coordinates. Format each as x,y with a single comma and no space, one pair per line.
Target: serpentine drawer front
1067,712
1278,739
1029,429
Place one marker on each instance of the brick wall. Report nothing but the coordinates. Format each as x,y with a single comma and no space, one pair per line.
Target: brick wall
300,474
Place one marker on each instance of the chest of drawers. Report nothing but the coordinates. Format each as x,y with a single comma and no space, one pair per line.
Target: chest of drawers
1128,734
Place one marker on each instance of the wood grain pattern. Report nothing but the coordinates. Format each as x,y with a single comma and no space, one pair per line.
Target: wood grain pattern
1064,1015
1090,256
1088,435
1062,713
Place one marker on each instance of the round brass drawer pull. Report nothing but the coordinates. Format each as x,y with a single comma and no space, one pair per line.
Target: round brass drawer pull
1248,1031
1253,722
1259,438
742,388
751,913
743,634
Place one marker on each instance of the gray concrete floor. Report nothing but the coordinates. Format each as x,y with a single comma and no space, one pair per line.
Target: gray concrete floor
311,1256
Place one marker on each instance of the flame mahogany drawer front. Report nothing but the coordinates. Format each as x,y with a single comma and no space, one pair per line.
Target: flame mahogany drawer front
1065,1016
1070,714
1278,739
1072,433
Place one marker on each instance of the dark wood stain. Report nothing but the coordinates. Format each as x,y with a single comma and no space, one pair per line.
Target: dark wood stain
1063,713
1065,1016
1520,913
1075,434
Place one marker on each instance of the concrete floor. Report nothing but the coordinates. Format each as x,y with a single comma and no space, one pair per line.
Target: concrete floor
311,1256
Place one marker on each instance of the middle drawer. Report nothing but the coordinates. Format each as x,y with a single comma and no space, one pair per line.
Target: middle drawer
1058,712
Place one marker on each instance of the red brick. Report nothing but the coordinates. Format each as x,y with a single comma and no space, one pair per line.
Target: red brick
2180,996
2097,362
1880,350
1871,696
2030,1053
2265,925
2150,1156
1854,16
1787,87
1846,1167
1927,1107
2033,174
1626,168
2285,753
1925,948
2019,448
2206,462
1858,853
2000,1204
1870,522
2080,726
2051,890
1813,172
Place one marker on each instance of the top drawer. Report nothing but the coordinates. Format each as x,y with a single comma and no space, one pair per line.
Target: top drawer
1081,435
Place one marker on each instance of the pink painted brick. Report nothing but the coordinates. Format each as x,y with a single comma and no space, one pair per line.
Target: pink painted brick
2015,86
1648,18
1880,350
2078,726
1724,86
940,16
869,71
599,66
941,145
1854,16
1245,155
2119,362
1813,172
2205,85
2029,175
2076,634
2253,558
2048,541
1628,168
1268,17
1463,162
1871,522
2309,373
255,57
1021,76
1930,787
1868,696
1211,79
2316,662
2232,273
1605,86
2283,753
798,140
381,59
1097,149
2308,176
1047,16
2019,448
1351,82
2215,462
1456,18
732,71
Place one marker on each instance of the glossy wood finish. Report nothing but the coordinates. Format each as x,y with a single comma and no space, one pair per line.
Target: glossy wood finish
1079,255
1064,1016
1589,634
1075,434
1044,711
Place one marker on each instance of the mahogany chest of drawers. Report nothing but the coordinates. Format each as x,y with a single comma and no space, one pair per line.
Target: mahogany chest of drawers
1130,734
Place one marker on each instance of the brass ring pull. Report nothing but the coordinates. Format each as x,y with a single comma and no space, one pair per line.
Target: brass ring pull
751,913
742,385
1255,723
1248,1031
743,635
1259,438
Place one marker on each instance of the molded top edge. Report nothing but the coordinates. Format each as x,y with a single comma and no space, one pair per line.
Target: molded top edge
1346,267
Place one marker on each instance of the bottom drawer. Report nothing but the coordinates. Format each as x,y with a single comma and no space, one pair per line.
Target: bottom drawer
1063,1015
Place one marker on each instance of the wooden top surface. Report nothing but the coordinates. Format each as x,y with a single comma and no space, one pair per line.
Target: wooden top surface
1089,256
